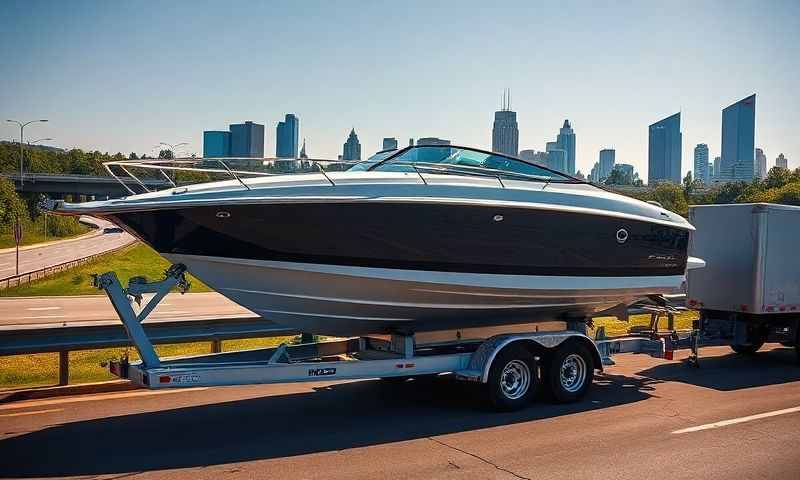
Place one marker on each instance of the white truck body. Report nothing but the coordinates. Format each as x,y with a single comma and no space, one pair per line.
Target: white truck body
752,255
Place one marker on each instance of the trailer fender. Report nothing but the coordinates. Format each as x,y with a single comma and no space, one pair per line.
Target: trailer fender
481,360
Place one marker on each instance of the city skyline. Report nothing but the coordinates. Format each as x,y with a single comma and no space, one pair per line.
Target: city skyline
128,99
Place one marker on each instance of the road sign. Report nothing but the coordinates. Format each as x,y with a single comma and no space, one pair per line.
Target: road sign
18,232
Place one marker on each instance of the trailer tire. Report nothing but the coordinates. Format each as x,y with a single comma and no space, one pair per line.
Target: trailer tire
749,349
569,372
512,381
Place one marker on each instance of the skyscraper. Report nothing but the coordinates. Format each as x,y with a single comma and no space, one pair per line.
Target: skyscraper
664,150
432,141
556,157
539,158
701,163
606,163
287,137
389,143
717,163
505,134
782,162
352,147
216,143
738,140
761,164
247,140
566,142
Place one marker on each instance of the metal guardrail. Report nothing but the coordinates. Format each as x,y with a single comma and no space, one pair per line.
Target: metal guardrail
28,277
59,338
95,335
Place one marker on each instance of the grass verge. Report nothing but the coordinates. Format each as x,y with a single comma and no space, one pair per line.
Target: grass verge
85,366
135,260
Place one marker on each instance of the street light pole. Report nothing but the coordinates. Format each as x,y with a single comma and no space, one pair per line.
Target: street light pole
22,145
172,147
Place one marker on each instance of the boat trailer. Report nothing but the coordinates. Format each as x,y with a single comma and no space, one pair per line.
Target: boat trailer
508,364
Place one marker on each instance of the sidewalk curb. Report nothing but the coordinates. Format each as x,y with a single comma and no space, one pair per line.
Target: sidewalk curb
66,390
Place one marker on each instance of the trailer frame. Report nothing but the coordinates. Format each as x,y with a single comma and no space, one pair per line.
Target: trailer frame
353,358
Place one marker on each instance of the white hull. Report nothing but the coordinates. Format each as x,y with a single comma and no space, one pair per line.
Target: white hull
345,301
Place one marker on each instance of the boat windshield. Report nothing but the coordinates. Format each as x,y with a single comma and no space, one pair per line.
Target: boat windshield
366,164
451,159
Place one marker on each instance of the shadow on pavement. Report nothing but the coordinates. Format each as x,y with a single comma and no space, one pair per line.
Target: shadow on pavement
332,418
732,371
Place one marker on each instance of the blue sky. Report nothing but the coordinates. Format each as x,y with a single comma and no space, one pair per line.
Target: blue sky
124,76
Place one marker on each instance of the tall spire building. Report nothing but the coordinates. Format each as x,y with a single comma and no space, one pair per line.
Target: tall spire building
505,133
352,147
566,141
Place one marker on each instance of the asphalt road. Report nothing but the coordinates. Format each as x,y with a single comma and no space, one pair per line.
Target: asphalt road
742,416
34,258
92,308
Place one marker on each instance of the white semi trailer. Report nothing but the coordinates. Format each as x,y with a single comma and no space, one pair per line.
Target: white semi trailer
749,291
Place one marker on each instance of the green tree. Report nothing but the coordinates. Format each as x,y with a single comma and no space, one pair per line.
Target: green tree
11,205
671,197
617,178
166,154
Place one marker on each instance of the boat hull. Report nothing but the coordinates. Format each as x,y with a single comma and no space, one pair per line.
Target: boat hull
342,300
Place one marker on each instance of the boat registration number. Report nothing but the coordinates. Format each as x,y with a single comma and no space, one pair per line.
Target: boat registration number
321,372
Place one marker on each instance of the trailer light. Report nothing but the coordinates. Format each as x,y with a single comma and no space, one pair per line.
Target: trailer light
410,365
669,355
743,308
164,379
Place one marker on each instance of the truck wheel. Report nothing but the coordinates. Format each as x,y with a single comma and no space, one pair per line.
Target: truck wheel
749,349
512,378
569,372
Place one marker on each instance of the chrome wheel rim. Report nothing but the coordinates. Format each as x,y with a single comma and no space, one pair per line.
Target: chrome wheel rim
515,380
573,373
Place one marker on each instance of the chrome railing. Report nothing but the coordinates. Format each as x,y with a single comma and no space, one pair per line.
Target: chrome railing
122,170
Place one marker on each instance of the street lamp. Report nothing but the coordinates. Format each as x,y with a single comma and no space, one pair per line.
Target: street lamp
22,144
40,140
172,147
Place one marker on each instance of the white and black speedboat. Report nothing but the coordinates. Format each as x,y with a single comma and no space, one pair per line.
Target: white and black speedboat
424,238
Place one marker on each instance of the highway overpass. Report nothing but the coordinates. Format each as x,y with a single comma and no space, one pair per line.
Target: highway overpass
58,185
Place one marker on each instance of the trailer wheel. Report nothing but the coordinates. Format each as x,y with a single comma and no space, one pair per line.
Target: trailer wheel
748,349
512,378
569,372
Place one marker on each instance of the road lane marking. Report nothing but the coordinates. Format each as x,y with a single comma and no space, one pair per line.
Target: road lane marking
41,309
43,316
98,396
734,421
35,412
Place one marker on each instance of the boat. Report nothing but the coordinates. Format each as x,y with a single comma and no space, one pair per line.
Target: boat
419,239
